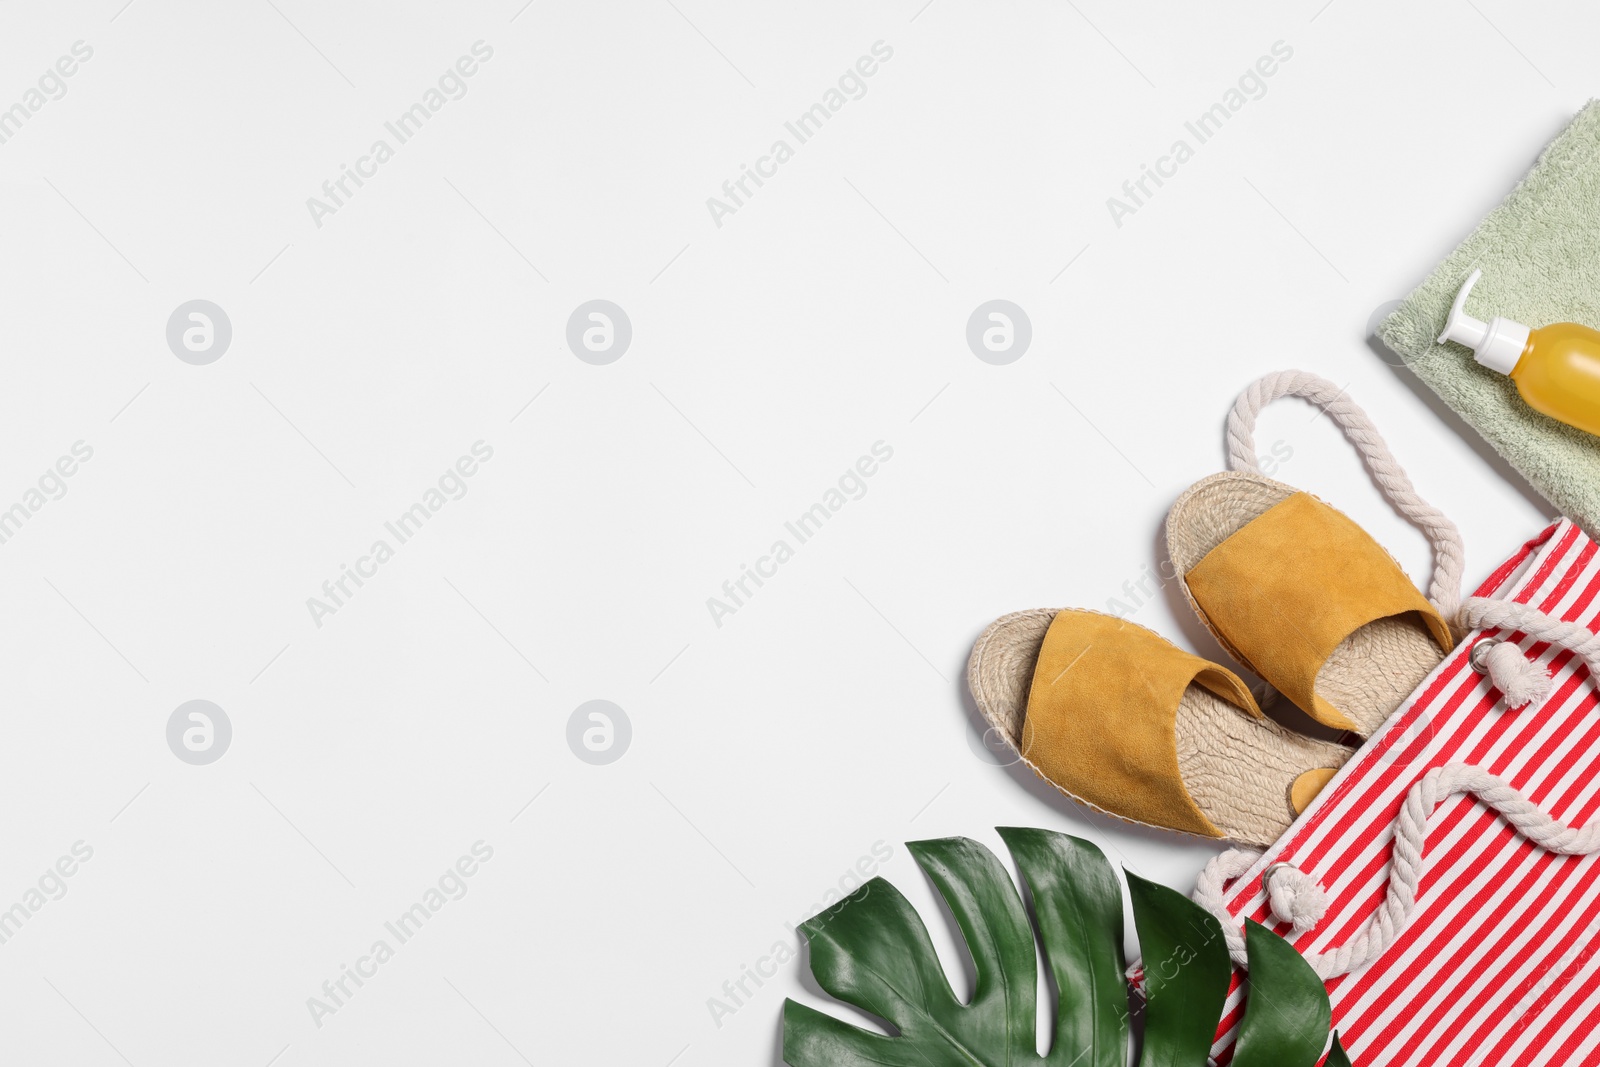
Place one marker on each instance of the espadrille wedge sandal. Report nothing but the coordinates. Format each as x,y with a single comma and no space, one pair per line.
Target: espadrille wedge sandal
1304,597
1118,718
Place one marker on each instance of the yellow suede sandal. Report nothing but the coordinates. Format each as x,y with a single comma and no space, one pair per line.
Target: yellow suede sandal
1304,597
1121,720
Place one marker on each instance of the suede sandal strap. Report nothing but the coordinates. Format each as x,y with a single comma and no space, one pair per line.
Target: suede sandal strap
1082,726
1302,552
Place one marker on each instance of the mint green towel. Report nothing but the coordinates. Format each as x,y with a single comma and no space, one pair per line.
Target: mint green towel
1540,256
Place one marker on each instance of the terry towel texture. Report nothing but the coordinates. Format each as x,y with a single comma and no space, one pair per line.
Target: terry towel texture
1540,256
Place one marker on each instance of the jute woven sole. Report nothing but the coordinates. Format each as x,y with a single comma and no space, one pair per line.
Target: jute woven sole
1239,770
1371,672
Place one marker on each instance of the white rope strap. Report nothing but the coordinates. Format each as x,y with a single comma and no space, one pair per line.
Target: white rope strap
1449,559
1405,873
1294,896
1484,613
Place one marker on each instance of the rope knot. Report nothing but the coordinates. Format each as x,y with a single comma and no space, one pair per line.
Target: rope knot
1295,897
1521,682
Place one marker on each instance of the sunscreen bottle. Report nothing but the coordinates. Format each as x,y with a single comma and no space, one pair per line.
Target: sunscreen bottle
1556,367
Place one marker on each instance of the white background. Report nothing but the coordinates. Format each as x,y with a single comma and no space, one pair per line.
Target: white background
828,714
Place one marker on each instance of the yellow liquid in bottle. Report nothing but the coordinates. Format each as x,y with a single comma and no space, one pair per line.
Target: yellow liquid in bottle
1559,374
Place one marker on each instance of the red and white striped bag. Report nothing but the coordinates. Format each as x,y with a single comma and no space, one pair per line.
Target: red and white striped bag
1494,956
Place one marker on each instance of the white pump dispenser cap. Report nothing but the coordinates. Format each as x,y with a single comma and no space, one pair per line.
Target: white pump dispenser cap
1497,344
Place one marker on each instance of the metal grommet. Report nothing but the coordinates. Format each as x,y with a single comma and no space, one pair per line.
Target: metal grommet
1272,868
1478,657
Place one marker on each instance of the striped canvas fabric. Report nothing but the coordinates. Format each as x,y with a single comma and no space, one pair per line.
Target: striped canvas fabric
1501,961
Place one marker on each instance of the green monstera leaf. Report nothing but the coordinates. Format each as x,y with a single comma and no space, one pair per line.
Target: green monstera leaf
1284,1024
1186,971
872,951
